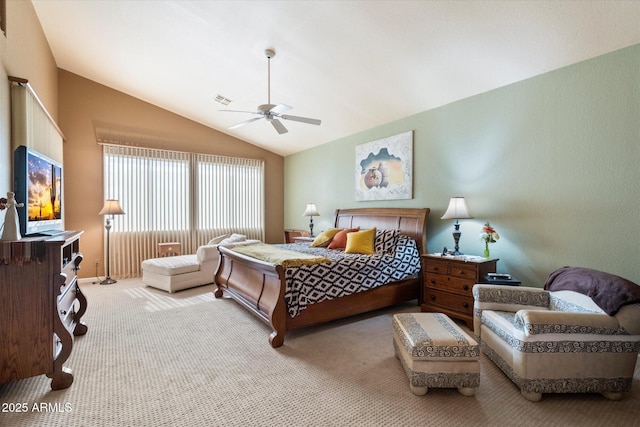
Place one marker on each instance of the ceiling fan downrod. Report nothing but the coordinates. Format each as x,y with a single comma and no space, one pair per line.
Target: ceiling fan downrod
270,54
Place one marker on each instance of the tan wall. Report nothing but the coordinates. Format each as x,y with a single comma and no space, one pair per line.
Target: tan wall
25,53
85,105
77,105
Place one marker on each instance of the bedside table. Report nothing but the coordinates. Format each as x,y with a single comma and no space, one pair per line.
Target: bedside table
303,239
447,285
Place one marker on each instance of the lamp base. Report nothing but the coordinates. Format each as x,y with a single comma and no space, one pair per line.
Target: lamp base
456,238
108,281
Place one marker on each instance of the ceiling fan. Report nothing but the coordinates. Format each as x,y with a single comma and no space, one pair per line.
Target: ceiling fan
270,111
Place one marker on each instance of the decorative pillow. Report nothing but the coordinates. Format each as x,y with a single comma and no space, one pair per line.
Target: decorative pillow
324,238
234,238
361,242
386,241
610,292
217,240
339,241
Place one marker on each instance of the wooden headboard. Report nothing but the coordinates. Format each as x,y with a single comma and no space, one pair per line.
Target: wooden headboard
409,221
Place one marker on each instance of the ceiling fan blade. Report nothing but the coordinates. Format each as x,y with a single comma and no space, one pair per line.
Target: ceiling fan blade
238,111
237,125
302,119
279,126
280,108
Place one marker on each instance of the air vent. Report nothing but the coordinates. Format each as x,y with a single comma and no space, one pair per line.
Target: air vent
222,100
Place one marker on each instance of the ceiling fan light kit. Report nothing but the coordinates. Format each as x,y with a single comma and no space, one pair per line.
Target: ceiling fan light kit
272,112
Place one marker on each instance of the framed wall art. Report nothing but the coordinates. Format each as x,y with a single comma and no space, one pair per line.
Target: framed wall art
384,168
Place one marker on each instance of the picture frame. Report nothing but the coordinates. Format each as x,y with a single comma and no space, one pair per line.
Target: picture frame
384,168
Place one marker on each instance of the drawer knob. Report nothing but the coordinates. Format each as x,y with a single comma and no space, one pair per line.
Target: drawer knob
433,297
461,272
433,281
465,305
465,287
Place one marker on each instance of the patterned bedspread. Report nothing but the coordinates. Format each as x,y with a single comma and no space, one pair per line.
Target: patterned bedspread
347,273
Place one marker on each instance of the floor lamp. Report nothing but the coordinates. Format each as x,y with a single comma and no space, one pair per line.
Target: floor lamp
457,210
111,207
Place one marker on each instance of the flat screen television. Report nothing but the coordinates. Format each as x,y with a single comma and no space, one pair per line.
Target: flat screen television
38,185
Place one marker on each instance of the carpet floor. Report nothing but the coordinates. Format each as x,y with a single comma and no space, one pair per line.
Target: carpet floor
188,359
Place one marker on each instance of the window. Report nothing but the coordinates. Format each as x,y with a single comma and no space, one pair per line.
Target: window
176,196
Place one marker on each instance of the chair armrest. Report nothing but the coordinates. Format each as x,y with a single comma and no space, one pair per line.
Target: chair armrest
509,298
207,252
535,322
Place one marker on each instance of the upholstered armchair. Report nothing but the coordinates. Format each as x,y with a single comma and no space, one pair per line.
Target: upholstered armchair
558,341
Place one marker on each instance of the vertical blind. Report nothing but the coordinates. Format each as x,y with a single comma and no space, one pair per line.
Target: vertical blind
31,124
171,196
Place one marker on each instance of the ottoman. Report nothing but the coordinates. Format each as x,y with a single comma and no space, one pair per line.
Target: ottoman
436,353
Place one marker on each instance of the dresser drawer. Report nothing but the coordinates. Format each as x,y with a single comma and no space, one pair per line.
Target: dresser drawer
459,303
449,284
69,270
66,307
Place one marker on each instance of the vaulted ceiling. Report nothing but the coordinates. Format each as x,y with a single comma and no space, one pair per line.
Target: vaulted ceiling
353,64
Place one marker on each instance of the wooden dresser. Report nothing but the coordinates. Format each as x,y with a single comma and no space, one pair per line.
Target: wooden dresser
448,283
41,306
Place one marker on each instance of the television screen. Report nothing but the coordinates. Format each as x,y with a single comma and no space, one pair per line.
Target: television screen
38,184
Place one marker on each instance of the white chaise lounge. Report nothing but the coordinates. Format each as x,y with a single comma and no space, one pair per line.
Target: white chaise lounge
180,272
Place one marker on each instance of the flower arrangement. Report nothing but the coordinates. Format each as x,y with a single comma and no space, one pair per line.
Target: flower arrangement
488,235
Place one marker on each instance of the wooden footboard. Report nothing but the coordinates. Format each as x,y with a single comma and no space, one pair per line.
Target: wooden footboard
260,286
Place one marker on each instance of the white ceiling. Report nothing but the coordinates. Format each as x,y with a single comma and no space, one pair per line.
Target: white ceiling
353,64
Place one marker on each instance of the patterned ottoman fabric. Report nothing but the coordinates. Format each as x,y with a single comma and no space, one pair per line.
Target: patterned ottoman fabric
436,353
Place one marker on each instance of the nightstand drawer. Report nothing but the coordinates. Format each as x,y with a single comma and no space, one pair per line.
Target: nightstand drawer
458,303
445,283
439,267
465,271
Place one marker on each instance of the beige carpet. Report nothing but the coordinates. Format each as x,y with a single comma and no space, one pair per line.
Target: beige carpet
187,359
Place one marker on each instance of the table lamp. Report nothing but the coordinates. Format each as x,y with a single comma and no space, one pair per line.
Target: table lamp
457,210
311,211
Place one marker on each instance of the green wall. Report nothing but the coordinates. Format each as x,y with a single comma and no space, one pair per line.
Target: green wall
553,162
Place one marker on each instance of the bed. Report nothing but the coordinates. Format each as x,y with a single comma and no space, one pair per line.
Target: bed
260,286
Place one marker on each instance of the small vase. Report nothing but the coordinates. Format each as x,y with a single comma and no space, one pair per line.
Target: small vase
486,250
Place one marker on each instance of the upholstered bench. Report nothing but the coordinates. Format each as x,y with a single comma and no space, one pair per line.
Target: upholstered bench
436,353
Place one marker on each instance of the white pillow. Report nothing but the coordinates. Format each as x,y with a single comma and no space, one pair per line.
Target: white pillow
217,240
234,238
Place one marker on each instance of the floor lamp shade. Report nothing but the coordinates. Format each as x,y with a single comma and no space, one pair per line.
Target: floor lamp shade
111,207
311,211
457,209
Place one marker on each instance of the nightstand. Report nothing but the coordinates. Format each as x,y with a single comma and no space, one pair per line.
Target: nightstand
448,282
303,239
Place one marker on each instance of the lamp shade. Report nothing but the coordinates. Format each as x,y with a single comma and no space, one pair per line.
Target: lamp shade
111,207
311,210
457,209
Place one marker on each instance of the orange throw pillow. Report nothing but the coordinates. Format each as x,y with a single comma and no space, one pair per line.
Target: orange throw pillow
339,241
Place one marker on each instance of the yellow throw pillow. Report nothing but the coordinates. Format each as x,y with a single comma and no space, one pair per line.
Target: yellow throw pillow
361,242
324,238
